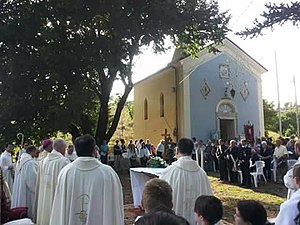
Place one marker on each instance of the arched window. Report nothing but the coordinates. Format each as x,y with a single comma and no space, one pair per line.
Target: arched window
145,109
162,105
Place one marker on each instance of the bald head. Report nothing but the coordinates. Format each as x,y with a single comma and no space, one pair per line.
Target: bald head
60,145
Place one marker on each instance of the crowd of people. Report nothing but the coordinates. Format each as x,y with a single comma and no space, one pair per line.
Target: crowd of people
230,158
60,184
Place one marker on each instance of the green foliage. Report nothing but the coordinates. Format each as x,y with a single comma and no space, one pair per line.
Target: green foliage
270,116
156,162
288,118
59,59
274,14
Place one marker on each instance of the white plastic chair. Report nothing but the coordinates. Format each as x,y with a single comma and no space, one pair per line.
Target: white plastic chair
291,163
240,176
259,172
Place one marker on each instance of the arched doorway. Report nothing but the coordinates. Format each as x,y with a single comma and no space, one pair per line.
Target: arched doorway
226,115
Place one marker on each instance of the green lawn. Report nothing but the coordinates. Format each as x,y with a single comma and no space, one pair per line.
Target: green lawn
270,195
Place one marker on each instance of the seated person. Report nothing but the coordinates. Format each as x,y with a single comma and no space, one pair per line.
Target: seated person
250,212
289,213
162,218
8,214
254,158
208,210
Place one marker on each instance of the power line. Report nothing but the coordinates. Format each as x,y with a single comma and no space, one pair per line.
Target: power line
242,13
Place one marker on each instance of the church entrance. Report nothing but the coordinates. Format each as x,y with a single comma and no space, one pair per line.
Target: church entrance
227,130
226,118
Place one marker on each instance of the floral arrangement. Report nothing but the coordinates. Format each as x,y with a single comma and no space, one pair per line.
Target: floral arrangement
156,162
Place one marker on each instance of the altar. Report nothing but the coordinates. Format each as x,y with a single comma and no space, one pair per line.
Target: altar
138,177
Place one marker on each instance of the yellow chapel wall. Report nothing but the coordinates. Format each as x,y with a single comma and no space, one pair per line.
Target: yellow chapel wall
151,89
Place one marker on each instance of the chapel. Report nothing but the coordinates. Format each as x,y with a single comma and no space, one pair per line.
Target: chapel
211,96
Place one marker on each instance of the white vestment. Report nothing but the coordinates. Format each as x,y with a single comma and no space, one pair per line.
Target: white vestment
43,155
5,162
23,194
288,180
88,192
288,210
48,171
71,157
188,181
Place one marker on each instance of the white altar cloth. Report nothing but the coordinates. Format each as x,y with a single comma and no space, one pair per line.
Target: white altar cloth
139,176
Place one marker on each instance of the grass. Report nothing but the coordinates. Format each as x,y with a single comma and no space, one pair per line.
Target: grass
269,194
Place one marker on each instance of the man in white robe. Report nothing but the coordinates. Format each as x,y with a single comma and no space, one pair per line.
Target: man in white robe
187,179
47,148
8,166
288,178
48,171
23,194
88,192
70,153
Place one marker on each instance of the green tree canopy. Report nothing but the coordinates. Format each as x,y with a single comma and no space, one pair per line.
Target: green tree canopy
275,14
59,59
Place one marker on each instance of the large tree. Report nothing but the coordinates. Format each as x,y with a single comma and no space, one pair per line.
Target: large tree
275,14
59,59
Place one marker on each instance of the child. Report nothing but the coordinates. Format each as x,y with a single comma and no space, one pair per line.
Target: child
208,210
289,213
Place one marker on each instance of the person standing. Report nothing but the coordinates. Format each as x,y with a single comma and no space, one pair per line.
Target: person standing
187,179
23,193
288,178
232,157
132,154
88,192
289,213
266,156
144,155
70,153
221,154
47,148
195,148
244,163
117,155
280,156
48,171
160,148
104,152
7,165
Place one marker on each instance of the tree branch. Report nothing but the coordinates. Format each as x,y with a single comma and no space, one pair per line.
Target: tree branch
275,14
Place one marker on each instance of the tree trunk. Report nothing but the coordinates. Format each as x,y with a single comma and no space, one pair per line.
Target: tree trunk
74,131
118,112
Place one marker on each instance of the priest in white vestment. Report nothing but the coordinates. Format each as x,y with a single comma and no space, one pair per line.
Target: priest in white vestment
289,210
47,148
8,166
88,192
187,179
23,194
48,171
71,153
288,178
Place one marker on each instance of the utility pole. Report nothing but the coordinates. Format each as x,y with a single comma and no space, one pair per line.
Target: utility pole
279,109
296,105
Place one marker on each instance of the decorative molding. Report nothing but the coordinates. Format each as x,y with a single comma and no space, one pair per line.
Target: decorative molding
245,93
205,89
226,109
224,71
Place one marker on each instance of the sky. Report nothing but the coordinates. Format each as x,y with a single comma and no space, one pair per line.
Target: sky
284,40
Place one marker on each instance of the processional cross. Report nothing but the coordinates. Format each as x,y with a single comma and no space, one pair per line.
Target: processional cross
83,212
